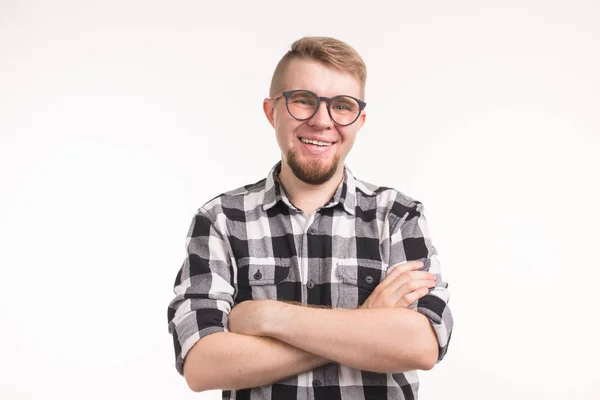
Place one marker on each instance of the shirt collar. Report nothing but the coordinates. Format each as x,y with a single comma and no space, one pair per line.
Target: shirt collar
345,194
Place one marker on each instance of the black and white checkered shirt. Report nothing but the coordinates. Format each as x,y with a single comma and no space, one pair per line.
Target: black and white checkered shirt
252,243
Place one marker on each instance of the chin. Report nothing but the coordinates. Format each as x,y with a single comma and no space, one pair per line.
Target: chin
312,172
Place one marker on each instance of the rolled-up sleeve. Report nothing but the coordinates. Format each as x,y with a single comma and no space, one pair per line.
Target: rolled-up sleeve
203,288
410,240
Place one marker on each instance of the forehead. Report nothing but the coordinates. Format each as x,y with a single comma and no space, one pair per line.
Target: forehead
319,78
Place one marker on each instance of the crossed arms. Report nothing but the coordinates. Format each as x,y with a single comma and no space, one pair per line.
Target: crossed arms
260,342
271,340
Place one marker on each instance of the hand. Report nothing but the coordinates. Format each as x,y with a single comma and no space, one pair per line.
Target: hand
251,317
401,287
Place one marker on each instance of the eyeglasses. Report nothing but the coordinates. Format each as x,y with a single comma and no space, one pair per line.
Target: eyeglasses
304,104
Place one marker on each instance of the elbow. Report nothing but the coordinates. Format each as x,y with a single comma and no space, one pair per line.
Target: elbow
428,359
421,359
428,356
422,353
193,379
428,347
194,386
195,371
199,368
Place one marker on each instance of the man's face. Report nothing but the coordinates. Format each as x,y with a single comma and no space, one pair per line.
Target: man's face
313,163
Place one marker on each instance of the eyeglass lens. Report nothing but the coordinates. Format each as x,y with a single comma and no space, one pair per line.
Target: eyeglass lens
302,105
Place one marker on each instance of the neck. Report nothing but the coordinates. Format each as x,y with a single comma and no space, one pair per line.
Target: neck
305,196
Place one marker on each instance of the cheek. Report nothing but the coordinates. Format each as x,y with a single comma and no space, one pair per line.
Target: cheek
348,139
284,131
281,140
285,128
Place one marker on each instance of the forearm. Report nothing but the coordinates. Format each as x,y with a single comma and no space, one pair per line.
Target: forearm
380,340
228,360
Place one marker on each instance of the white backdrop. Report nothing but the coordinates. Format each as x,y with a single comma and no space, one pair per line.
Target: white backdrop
118,119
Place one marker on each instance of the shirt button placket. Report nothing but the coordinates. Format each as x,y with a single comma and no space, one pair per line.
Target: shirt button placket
311,283
312,221
317,375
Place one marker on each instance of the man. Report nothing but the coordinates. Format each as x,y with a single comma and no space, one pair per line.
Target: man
310,283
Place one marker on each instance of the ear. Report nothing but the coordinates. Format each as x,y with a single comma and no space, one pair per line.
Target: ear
362,118
269,110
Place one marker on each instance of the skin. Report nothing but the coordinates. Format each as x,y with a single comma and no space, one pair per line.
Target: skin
324,81
270,340
325,331
256,351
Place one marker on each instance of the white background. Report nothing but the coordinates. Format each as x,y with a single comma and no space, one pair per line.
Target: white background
118,119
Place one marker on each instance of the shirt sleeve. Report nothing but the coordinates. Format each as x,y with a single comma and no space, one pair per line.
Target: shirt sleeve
203,288
410,240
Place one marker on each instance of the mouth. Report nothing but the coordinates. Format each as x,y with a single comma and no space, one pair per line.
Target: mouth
317,143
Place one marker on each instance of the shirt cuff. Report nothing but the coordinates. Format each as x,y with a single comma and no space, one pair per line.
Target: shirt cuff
438,313
193,327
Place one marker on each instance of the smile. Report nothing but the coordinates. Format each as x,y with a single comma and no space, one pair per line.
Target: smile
316,142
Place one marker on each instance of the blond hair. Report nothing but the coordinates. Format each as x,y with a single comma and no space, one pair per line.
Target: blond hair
331,52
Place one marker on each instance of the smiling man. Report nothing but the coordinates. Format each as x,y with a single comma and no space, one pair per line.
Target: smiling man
311,284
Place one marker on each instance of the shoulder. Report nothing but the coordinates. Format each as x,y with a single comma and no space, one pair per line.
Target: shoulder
393,202
234,203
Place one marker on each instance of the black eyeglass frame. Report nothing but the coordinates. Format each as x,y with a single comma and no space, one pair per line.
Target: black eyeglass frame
329,100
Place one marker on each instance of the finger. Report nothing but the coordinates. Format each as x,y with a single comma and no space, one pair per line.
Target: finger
391,297
419,275
411,297
413,285
404,277
409,265
399,269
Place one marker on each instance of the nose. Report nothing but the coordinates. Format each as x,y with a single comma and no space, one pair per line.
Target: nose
321,119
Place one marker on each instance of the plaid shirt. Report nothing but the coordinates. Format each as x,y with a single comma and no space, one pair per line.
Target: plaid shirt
252,243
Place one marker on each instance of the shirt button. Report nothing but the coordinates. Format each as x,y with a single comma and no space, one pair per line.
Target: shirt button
310,284
257,275
369,279
316,383
312,231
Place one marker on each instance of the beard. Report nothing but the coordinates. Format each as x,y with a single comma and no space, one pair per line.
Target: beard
314,172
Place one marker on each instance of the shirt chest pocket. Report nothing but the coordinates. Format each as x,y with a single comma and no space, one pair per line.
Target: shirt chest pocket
356,282
259,281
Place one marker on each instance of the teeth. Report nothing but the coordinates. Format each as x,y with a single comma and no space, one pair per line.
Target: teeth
318,143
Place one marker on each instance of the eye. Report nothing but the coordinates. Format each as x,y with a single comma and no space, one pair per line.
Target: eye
302,99
344,105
